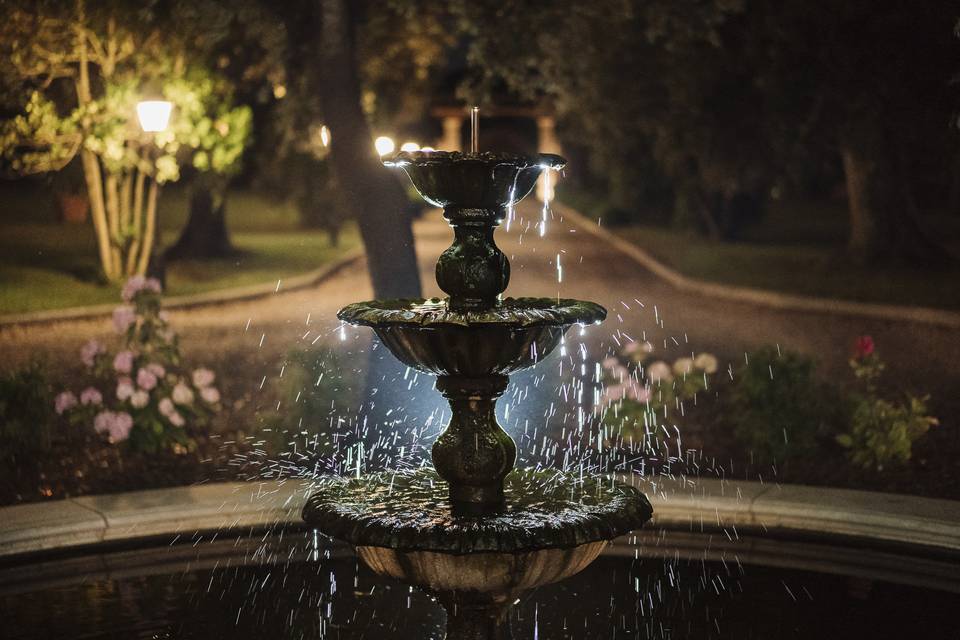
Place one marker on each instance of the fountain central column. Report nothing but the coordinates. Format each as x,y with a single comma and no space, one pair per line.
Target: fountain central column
474,454
473,271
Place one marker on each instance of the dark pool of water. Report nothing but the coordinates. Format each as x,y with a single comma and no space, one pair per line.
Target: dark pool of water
253,588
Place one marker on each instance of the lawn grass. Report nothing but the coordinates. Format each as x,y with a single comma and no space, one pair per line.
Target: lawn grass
798,248
45,264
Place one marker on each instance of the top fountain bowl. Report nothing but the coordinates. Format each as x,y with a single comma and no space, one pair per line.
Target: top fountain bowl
487,180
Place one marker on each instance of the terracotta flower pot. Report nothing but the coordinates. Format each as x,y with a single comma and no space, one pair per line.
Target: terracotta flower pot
73,207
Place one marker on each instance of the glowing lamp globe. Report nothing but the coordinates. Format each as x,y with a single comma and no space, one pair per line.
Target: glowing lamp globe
154,115
384,145
410,146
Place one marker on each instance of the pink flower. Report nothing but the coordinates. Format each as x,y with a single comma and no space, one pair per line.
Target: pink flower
659,371
864,347
117,426
176,419
91,395
89,352
136,284
146,379
124,388
156,369
102,421
614,392
182,394
166,407
122,424
139,399
132,287
203,378
210,395
638,351
610,363
123,362
64,402
641,394
123,317
631,347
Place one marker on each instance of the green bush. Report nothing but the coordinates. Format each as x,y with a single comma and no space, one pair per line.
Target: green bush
26,411
311,392
776,406
881,432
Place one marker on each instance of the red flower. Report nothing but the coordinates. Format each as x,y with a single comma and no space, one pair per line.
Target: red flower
864,347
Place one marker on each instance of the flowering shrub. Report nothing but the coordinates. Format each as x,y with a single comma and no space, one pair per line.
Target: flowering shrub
881,432
140,394
636,382
776,407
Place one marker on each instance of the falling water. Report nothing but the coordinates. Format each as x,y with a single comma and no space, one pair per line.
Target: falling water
545,212
474,129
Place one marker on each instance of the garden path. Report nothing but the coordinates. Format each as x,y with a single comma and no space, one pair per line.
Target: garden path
923,357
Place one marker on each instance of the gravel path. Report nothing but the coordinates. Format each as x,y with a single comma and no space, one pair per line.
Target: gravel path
640,305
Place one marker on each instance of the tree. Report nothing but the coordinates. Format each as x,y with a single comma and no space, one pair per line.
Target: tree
246,44
649,86
219,137
730,97
87,70
376,199
881,70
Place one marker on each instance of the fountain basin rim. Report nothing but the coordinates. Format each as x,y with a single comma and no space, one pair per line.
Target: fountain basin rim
511,312
493,158
409,511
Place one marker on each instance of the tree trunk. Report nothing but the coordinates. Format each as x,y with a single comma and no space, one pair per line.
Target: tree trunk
374,196
205,235
883,225
378,203
98,211
91,166
147,246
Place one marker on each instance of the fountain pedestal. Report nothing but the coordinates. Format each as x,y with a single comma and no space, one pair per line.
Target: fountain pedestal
474,532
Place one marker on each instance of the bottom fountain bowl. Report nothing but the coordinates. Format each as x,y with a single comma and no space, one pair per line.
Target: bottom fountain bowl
403,526
478,590
501,575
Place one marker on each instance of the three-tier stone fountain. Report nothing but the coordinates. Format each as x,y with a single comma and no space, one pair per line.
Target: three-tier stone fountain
472,530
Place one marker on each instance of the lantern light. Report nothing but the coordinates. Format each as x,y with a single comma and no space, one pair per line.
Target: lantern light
384,145
410,146
154,115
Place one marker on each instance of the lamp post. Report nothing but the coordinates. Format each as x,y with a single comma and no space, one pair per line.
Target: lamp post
154,117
